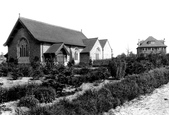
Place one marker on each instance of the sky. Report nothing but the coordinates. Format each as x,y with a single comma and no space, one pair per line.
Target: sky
122,22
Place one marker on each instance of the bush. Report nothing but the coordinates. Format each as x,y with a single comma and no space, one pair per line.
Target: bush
3,95
36,74
16,92
84,71
28,101
39,111
95,102
3,69
25,70
54,84
45,94
101,63
105,100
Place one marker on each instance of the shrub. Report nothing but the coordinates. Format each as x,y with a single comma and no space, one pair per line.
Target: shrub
95,102
25,70
101,63
16,92
45,94
3,69
84,70
61,68
78,80
3,95
28,101
36,74
39,111
105,100
54,84
61,78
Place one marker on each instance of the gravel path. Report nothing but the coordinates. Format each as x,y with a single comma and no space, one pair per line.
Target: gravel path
156,103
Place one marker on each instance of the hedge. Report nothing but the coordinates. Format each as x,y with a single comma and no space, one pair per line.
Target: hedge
95,102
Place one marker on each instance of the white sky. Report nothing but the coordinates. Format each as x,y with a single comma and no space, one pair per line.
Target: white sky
122,22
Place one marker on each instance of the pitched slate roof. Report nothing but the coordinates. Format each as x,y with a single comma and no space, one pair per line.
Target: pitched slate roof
103,42
157,43
89,44
55,48
50,33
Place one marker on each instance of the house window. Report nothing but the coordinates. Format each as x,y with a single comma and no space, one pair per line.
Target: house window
23,48
76,54
97,53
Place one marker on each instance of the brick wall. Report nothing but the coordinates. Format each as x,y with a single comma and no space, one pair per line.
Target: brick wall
34,45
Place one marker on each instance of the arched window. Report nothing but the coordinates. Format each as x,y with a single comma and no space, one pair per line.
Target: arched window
23,48
76,53
97,53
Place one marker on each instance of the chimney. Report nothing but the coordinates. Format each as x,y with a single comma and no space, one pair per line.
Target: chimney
138,42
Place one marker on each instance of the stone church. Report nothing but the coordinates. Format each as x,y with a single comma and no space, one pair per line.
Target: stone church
29,39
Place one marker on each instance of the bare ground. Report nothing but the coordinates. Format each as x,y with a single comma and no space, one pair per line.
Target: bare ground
156,103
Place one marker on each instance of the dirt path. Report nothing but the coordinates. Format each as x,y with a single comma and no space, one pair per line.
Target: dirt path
156,103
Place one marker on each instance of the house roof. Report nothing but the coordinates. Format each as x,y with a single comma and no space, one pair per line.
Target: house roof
55,48
103,42
155,42
89,44
50,33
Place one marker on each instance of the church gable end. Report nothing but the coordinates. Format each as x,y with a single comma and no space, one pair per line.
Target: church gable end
21,45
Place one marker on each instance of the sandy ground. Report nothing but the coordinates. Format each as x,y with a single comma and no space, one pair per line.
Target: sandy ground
156,103
10,83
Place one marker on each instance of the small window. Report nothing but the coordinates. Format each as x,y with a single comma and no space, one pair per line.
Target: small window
76,54
23,47
97,53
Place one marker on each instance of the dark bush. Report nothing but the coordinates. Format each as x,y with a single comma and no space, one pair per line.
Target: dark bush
25,69
16,92
28,101
3,95
40,111
45,94
54,84
36,74
105,100
61,78
84,70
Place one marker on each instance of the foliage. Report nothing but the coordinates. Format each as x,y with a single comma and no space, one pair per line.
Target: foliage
54,84
95,102
28,101
101,63
117,68
16,92
71,63
44,94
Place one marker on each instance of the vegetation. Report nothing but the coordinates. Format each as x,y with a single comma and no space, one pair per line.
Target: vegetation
28,101
95,102
44,94
136,75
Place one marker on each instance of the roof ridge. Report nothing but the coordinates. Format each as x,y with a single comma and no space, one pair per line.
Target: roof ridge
48,24
103,39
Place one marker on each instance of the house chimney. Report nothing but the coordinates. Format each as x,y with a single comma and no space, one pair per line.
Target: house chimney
163,40
138,42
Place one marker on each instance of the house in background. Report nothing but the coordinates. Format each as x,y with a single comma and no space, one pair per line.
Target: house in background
29,39
106,49
151,46
96,50
93,50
